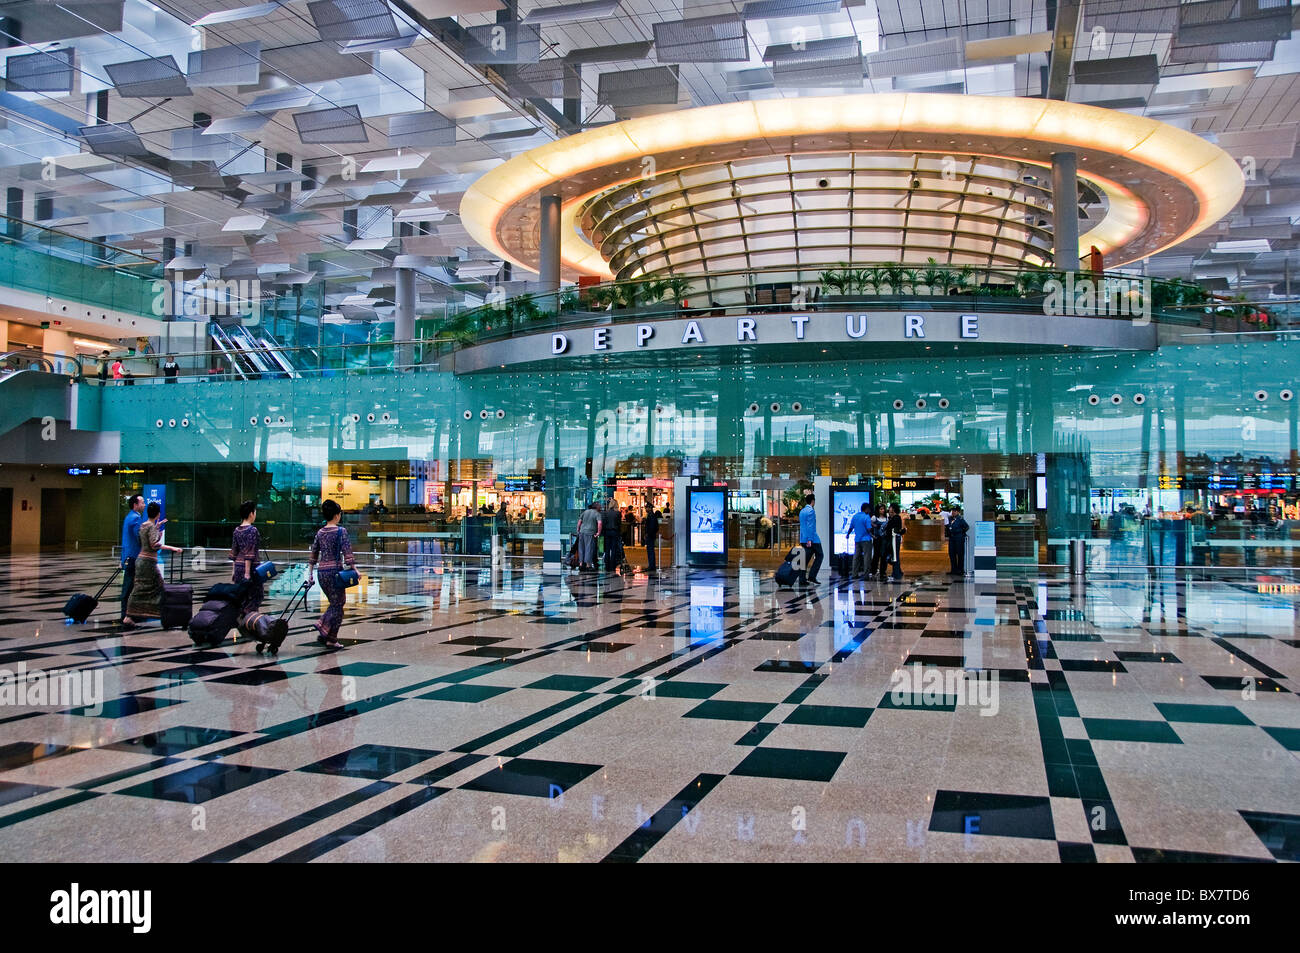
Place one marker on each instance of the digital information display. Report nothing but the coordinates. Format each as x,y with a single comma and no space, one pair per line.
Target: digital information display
706,514
845,501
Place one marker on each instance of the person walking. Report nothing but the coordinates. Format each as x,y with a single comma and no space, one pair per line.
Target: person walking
650,536
894,533
330,551
809,540
145,601
612,530
245,545
171,369
859,536
118,371
130,543
588,530
956,531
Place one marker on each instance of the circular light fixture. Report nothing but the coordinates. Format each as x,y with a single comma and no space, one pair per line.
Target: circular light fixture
356,418
775,407
267,420
1139,398
1094,399
1261,395
385,416
159,422
796,407
1162,184
252,420
370,417
185,422
898,404
172,423
501,414
483,414
943,403
753,408
1116,399
1284,394
281,419
920,403
468,414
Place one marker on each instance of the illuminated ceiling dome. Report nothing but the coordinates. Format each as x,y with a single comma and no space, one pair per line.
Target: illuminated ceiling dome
757,167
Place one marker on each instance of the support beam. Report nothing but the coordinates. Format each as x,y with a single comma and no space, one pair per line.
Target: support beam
1064,29
1065,210
404,316
549,247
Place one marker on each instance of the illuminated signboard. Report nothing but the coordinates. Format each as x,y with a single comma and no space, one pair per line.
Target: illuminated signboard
706,516
845,501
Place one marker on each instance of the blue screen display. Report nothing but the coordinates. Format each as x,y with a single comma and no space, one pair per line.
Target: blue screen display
846,503
707,524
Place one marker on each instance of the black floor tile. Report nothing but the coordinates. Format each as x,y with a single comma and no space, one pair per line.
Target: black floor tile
1000,815
360,669
831,715
731,710
125,707
201,783
789,666
466,693
372,761
1280,833
258,676
1130,729
174,740
567,683
795,764
1203,714
532,778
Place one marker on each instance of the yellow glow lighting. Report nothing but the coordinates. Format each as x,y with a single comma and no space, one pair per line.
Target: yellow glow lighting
881,122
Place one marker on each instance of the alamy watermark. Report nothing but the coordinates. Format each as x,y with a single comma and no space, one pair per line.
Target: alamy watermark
59,688
1098,297
208,297
927,686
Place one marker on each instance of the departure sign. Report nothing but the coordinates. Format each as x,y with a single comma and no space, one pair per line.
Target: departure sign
903,483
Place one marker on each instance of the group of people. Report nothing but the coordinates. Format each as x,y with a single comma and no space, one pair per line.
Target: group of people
121,374
608,525
877,541
142,582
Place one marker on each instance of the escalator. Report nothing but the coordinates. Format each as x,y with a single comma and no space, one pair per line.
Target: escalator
251,356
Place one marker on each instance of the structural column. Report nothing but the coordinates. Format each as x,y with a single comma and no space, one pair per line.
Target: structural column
549,248
1065,210
404,316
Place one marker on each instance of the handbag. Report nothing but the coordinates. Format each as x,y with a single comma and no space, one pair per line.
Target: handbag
349,578
266,571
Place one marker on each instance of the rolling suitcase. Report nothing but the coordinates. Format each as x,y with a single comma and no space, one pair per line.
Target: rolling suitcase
785,575
218,614
177,605
79,606
271,631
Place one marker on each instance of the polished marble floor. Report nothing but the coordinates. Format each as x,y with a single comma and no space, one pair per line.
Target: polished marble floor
686,717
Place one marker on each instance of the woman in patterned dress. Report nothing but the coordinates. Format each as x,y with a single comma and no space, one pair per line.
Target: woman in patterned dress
330,550
246,545
145,600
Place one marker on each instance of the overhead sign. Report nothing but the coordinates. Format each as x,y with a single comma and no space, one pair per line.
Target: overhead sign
819,327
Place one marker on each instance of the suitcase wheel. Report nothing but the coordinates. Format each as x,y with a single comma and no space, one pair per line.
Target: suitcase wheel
260,647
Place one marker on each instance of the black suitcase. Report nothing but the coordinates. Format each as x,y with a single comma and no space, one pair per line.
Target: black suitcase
785,575
79,606
270,631
176,607
218,614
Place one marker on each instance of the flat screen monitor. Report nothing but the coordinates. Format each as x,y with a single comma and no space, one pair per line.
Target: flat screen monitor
706,514
845,501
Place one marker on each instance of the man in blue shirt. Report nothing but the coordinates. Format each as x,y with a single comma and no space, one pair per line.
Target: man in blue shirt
131,544
859,535
808,538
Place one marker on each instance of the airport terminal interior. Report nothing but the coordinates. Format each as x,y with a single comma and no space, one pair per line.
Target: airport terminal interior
649,430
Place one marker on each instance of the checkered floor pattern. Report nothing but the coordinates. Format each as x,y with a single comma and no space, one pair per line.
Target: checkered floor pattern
688,716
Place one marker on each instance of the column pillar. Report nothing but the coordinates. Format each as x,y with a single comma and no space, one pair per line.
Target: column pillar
549,246
404,315
1065,210
14,209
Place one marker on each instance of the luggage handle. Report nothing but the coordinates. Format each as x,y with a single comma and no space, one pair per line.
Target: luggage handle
104,588
302,592
171,567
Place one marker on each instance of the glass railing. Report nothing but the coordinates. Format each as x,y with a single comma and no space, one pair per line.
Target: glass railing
1036,291
60,265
